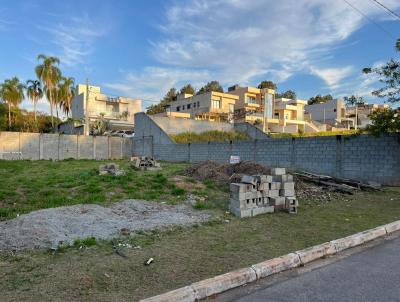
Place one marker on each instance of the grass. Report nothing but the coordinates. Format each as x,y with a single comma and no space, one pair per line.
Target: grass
184,255
209,136
31,185
311,134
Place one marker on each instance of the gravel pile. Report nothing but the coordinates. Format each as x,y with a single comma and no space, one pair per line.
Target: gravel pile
50,227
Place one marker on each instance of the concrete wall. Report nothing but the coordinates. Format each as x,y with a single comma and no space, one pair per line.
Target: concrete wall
361,157
36,146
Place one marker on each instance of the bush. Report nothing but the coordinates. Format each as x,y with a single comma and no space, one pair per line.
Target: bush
209,136
384,121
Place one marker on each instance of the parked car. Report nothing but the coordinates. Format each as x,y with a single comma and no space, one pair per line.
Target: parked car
124,133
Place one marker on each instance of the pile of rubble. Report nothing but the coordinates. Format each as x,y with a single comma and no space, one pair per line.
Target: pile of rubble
259,194
145,163
111,169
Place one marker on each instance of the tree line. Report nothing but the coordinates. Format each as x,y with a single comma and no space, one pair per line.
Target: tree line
50,84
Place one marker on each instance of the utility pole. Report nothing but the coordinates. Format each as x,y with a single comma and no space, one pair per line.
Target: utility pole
86,108
356,125
265,119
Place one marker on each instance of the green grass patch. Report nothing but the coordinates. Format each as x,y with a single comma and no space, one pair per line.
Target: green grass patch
311,134
209,136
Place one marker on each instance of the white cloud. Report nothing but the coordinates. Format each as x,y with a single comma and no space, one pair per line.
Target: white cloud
333,76
74,39
152,83
241,42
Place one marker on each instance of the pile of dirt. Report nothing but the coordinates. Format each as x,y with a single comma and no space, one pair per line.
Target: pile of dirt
224,173
50,227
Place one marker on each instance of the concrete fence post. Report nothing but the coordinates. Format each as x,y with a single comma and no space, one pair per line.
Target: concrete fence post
122,155
94,147
108,147
78,147
58,144
255,150
189,145
339,151
293,154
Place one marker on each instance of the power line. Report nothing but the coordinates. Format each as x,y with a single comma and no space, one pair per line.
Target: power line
369,19
388,9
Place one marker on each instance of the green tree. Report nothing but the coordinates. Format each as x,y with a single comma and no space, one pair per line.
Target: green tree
211,86
67,91
34,92
187,89
389,75
12,92
161,107
354,100
288,94
384,121
267,84
319,99
49,73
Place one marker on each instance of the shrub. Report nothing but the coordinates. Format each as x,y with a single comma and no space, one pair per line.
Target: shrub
209,136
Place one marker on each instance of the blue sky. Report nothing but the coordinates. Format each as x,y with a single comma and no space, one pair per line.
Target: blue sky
142,48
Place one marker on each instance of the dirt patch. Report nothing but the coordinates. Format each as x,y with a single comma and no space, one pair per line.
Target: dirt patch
50,227
184,183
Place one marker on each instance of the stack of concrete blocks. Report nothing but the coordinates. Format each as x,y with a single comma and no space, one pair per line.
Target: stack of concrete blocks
287,197
259,194
145,163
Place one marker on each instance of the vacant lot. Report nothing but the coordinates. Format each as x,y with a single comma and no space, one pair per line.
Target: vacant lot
92,271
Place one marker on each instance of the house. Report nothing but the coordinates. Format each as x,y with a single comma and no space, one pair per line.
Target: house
283,115
332,113
118,112
361,113
211,106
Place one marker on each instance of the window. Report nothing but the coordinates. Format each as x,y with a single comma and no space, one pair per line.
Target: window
198,104
194,105
334,110
183,107
216,104
251,100
178,108
188,106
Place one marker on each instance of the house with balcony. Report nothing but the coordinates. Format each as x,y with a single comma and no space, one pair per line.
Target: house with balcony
118,112
211,106
282,115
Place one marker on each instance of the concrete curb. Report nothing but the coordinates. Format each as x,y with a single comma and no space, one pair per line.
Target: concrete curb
208,287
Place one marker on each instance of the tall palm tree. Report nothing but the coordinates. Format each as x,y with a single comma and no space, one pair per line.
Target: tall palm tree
49,74
67,90
34,92
12,92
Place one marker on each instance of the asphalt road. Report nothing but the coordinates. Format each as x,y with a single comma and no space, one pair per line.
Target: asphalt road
370,275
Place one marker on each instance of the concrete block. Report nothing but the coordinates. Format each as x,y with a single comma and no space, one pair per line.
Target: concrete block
246,195
292,210
278,202
263,178
241,188
287,186
276,265
248,179
273,193
266,201
263,186
184,294
392,227
244,203
315,252
291,202
262,210
284,192
274,185
221,283
278,171
241,213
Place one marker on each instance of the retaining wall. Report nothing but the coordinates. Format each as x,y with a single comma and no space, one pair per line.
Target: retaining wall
360,157
36,146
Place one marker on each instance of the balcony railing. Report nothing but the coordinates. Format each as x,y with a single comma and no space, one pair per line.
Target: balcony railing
109,114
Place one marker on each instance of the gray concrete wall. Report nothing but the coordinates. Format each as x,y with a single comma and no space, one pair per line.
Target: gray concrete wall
35,146
252,131
361,157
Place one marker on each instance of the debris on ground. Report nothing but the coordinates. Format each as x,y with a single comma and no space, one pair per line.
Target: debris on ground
145,163
111,169
224,173
338,184
118,251
48,227
149,261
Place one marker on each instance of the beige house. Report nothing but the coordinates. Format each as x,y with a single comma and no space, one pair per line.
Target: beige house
332,113
117,111
212,106
283,115
361,112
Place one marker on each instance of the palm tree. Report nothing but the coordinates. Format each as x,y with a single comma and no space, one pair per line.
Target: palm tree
12,92
49,74
34,92
67,90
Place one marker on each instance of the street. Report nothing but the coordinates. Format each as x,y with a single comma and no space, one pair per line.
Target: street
370,275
